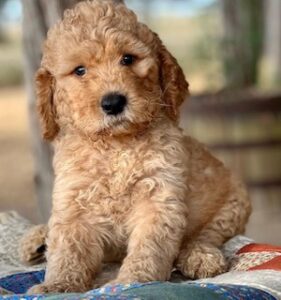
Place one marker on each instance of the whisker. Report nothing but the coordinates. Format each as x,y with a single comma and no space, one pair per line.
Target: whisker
163,104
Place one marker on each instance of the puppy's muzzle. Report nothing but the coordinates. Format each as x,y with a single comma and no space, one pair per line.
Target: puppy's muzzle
113,103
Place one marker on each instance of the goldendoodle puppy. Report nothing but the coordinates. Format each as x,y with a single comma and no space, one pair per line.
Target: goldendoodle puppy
129,185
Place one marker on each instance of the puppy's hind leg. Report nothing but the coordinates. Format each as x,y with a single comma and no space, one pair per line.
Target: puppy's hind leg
32,245
201,256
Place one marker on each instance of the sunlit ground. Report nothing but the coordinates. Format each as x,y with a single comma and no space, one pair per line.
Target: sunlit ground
16,165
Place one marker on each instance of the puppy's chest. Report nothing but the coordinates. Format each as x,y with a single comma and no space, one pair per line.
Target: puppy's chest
119,171
113,177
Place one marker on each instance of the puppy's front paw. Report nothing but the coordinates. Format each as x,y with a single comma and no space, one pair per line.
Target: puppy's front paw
123,281
201,261
52,288
41,289
110,283
118,281
32,245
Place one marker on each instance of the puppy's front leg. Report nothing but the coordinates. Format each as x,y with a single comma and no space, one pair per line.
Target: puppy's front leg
157,228
74,255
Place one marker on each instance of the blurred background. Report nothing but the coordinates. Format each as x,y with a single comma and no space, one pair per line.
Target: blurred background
230,51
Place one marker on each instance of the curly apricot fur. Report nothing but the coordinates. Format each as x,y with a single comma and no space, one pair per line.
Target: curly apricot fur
129,187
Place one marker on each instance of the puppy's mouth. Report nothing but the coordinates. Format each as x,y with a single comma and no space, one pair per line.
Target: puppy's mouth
123,124
115,121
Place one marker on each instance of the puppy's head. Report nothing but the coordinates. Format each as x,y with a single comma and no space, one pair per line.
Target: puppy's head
104,72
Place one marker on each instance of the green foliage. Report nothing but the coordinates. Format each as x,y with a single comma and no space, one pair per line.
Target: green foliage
11,71
3,37
241,47
2,2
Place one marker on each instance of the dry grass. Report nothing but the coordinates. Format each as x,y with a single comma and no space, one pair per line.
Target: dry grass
16,169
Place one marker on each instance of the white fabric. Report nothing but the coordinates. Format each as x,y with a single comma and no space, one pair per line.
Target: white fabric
12,228
267,280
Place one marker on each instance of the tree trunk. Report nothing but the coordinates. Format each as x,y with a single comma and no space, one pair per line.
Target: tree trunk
271,67
242,41
39,15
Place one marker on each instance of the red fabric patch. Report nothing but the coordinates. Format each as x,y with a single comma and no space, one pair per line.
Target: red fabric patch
259,248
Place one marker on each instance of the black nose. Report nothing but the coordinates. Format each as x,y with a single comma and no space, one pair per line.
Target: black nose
113,104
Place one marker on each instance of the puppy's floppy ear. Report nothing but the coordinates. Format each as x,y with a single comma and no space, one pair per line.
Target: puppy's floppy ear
45,106
173,83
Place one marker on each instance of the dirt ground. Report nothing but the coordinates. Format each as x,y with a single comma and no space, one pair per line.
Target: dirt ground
16,166
16,173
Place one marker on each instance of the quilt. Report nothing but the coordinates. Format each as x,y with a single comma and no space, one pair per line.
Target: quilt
254,273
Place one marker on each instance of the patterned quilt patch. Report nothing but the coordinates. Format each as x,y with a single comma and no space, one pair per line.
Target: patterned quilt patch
238,292
19,284
257,257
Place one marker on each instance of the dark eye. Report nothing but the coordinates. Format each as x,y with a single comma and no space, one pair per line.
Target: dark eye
80,71
127,59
